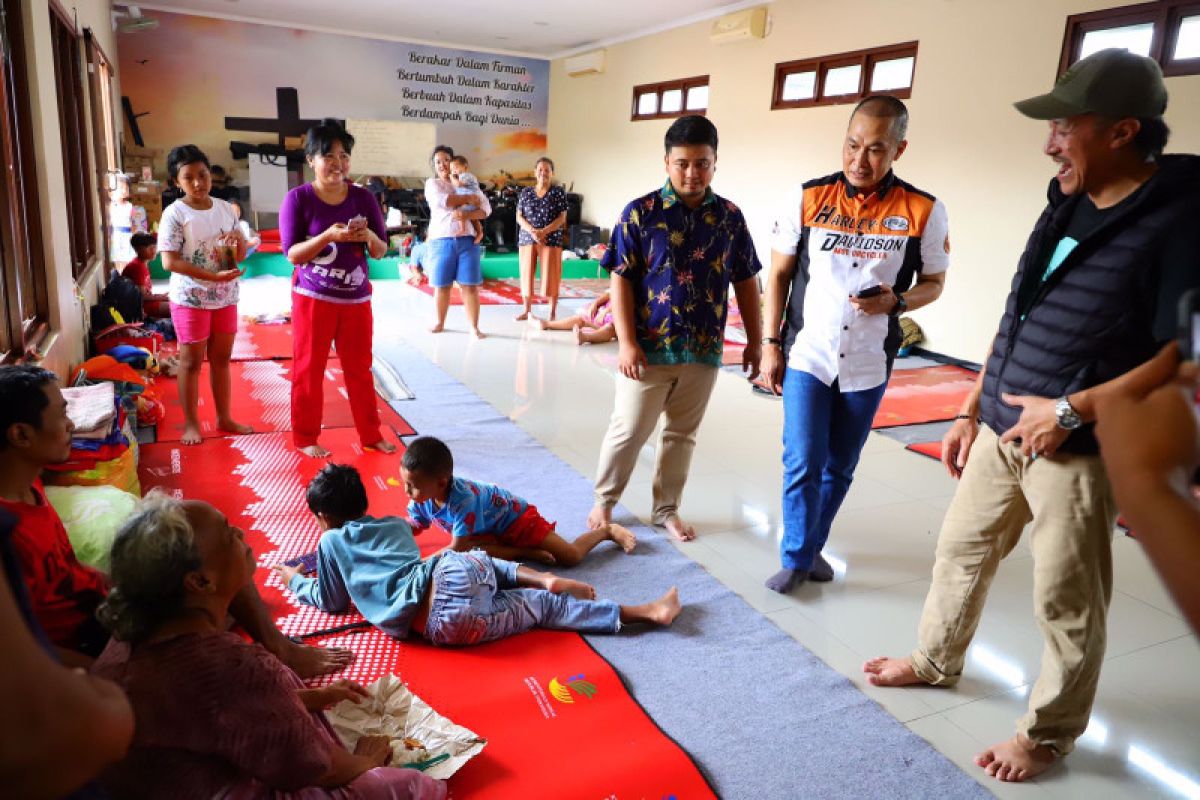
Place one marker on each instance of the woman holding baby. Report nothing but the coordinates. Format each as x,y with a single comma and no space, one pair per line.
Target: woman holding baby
328,229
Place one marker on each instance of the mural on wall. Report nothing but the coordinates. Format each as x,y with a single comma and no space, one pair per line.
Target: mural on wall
211,81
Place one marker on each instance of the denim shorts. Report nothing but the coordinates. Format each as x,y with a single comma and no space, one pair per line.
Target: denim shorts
454,259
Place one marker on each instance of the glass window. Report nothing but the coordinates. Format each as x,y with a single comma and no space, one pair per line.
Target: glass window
1134,38
647,104
800,86
672,101
1188,43
842,80
697,98
894,73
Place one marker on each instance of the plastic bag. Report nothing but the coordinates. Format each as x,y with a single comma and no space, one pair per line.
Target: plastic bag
92,515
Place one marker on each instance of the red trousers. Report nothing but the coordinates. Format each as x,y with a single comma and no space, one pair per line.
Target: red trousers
317,324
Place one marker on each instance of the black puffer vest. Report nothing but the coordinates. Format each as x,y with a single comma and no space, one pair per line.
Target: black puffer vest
1092,320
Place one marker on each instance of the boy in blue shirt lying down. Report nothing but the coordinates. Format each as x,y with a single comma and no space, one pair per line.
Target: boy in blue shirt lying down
450,598
483,516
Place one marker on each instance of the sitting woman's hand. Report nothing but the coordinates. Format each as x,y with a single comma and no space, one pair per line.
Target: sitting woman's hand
376,749
329,696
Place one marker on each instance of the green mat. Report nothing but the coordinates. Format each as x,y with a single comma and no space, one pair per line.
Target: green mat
496,266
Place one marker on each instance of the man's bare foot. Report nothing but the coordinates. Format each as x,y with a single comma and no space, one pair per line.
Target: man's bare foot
437,327
662,611
1017,759
599,517
191,435
884,671
680,529
622,536
310,662
578,331
315,451
383,446
524,315
478,334
577,589
231,426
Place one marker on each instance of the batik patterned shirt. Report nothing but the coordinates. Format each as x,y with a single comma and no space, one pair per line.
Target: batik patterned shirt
680,262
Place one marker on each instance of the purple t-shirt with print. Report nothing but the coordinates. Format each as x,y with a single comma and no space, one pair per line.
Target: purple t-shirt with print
339,273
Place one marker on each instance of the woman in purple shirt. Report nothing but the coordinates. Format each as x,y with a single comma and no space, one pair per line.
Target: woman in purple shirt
328,229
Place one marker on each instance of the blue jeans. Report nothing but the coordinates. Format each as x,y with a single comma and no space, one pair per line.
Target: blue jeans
475,600
453,259
824,430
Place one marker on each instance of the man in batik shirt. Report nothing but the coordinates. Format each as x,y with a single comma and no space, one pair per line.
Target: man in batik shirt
673,256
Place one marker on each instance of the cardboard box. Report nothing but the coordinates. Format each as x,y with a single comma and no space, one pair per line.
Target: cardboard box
149,197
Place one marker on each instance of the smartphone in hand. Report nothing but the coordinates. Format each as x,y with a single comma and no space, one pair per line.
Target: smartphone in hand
357,223
870,291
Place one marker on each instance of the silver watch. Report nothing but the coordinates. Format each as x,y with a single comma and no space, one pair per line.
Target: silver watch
1068,417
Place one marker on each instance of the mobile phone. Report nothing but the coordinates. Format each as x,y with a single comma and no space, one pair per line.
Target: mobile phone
1189,325
357,223
306,563
870,291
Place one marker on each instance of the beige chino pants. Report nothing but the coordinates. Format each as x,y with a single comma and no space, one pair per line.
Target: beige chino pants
679,393
1070,503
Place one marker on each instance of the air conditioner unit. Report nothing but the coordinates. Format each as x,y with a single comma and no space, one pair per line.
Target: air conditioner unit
591,63
739,26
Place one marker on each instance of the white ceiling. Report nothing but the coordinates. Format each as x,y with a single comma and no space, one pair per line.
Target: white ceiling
542,28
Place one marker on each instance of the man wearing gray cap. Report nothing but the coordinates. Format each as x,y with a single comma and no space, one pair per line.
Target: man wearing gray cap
1094,298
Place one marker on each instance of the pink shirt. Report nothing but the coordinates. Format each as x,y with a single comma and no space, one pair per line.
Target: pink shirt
442,224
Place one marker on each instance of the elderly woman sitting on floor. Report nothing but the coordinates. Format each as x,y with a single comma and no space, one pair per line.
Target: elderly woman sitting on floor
217,716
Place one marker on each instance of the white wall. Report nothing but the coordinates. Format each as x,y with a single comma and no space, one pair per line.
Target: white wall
68,306
967,145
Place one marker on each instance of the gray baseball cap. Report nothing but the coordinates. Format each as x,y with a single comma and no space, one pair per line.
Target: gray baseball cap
1113,83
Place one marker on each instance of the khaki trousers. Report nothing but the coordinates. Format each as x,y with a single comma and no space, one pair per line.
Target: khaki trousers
1070,503
679,393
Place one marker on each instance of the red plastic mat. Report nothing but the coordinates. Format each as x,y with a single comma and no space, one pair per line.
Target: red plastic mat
262,398
256,341
558,720
928,394
931,449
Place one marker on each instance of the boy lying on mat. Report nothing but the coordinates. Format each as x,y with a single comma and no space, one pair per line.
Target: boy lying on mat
486,517
450,598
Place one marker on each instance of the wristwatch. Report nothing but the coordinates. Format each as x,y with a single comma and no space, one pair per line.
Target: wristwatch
771,340
1068,417
900,307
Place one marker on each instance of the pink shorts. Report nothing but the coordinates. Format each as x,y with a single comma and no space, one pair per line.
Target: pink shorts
195,325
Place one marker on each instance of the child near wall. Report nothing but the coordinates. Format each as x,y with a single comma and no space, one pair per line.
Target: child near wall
201,248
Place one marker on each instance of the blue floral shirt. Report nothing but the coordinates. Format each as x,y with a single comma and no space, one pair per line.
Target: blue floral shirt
472,508
681,262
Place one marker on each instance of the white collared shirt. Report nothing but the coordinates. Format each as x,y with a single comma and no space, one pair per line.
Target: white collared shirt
851,242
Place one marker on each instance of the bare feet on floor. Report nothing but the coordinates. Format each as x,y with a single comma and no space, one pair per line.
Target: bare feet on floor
577,589
310,662
680,529
578,331
437,327
665,609
382,446
599,517
622,536
1015,760
884,671
231,426
478,334
315,451
191,435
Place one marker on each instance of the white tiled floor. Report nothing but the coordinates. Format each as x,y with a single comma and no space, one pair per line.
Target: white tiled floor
1145,736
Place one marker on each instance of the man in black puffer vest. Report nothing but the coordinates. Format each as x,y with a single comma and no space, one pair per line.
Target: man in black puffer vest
1094,298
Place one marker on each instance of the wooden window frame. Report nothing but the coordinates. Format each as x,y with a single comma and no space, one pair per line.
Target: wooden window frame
67,44
1165,15
821,65
104,130
24,283
683,84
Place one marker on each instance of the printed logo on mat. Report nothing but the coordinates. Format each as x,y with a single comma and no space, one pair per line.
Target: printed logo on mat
575,685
